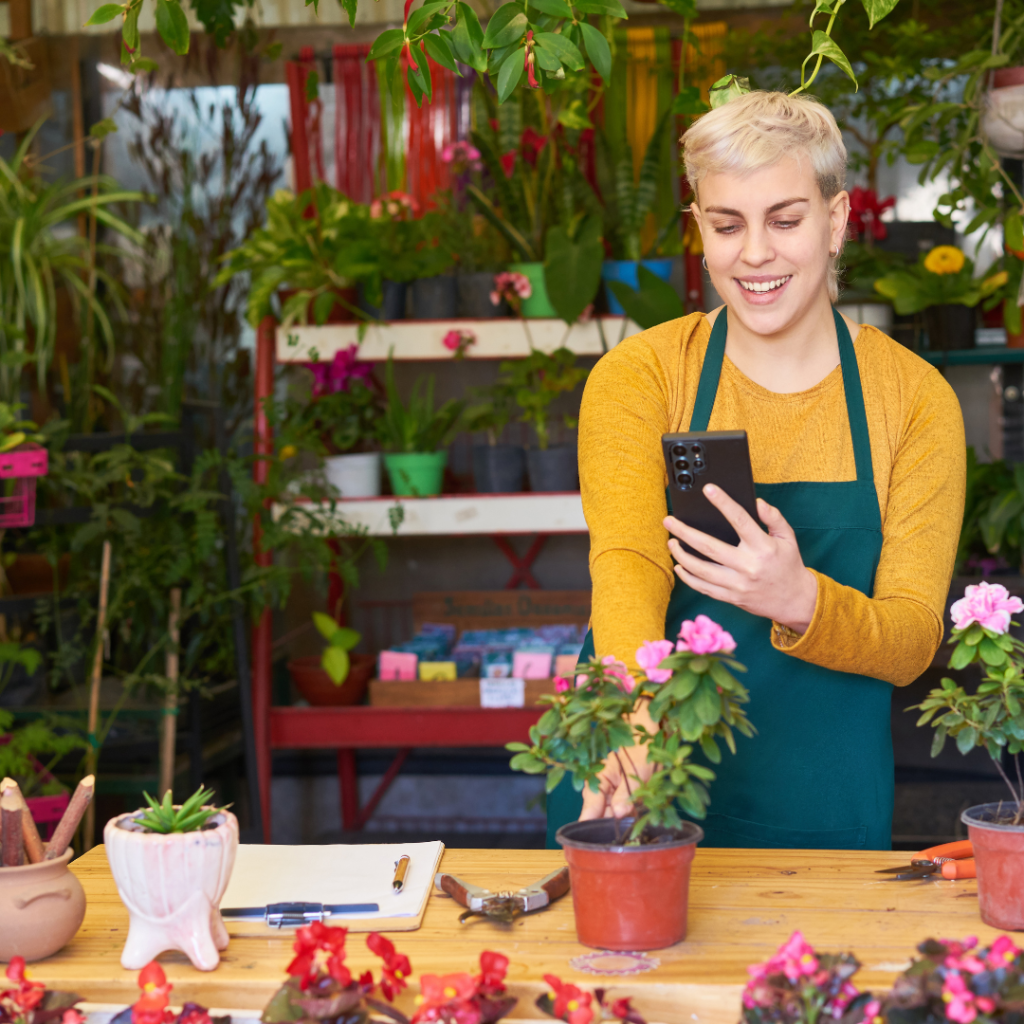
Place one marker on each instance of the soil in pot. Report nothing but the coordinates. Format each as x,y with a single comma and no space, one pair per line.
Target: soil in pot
416,474
629,897
356,475
41,908
498,468
999,857
393,302
435,298
950,327
553,469
475,297
317,687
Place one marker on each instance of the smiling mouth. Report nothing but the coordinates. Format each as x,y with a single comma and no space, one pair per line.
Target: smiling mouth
760,287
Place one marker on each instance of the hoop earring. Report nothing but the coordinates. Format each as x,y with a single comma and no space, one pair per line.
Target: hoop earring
704,262
832,254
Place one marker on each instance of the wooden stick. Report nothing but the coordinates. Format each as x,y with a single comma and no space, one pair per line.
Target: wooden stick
65,830
92,756
170,723
34,849
10,829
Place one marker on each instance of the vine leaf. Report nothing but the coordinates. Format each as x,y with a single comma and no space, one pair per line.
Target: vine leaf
823,45
877,10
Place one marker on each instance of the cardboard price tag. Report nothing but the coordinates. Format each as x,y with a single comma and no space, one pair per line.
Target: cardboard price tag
503,693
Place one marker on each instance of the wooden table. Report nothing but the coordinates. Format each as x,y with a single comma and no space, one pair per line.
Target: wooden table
743,904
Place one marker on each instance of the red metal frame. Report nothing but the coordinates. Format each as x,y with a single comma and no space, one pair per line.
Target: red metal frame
521,566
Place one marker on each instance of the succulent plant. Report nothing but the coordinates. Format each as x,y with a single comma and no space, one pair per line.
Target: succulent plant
191,816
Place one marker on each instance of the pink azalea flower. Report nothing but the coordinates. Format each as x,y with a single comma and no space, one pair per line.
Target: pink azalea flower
651,655
988,604
562,685
704,636
613,667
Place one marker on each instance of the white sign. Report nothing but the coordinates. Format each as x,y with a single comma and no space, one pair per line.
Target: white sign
502,693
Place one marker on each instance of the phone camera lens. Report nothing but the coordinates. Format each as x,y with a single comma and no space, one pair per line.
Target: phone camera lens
698,465
682,464
685,481
678,450
698,451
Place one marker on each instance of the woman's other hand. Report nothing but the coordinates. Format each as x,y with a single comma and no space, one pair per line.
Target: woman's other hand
764,574
614,797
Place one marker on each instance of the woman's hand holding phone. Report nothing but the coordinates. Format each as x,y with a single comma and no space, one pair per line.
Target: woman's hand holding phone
764,574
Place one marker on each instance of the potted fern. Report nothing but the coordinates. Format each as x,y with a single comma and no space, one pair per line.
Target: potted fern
413,436
171,864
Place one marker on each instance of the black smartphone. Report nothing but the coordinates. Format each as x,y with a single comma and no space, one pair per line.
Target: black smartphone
719,457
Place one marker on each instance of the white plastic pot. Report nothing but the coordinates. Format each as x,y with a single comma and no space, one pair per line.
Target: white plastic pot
1002,120
355,476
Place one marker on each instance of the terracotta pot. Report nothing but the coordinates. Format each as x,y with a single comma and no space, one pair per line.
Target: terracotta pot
41,907
172,886
999,856
32,574
628,897
318,688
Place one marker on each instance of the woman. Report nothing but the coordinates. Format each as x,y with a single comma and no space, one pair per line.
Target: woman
857,448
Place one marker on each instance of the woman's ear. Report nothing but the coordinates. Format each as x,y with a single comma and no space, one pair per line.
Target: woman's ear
839,214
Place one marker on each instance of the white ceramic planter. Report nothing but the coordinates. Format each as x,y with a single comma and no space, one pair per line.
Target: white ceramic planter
172,886
355,476
1002,120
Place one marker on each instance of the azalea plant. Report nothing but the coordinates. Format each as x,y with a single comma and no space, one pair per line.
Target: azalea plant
945,276
23,1001
695,701
993,716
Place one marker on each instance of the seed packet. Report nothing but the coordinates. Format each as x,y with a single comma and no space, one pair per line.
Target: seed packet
496,663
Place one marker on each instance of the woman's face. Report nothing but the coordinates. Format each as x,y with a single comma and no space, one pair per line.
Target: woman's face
767,236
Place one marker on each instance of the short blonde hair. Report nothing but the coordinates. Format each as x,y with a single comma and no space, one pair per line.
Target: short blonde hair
759,129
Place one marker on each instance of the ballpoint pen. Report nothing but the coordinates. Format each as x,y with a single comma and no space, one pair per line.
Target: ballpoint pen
401,867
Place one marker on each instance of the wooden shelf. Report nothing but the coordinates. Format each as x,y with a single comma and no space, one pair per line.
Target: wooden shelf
986,355
500,338
466,514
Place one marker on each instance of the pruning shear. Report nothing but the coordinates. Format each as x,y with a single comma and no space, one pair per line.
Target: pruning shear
504,906
949,861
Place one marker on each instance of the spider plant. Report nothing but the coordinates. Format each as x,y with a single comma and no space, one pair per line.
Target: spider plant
416,426
40,250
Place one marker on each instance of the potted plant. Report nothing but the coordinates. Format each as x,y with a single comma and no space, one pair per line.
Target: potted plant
337,677
942,285
30,1002
497,468
313,252
630,878
171,864
413,436
536,382
992,717
435,294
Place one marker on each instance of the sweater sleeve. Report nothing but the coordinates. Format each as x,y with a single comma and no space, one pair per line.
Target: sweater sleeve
894,634
625,410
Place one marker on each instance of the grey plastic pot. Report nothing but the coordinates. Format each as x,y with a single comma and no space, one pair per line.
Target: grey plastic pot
393,303
553,469
475,297
950,327
435,298
498,468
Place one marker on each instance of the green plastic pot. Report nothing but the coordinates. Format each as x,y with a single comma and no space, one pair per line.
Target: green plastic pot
538,304
415,474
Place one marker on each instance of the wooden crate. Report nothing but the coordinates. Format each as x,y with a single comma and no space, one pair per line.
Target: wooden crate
413,693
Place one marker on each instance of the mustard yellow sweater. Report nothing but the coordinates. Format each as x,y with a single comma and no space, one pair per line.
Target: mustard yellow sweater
647,385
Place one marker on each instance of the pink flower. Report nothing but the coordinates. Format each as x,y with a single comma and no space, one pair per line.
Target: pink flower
651,655
1002,953
618,670
458,341
562,685
703,636
988,604
462,155
397,205
959,999
871,1009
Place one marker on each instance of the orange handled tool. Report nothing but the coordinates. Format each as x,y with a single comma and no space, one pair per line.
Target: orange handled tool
951,861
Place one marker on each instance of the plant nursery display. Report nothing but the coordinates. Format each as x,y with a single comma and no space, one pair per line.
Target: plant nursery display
992,717
172,864
695,701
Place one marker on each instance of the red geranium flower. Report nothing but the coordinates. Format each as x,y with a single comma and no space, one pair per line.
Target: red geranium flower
491,979
319,950
866,213
572,1004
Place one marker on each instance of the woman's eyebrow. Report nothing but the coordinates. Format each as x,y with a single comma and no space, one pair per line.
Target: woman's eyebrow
771,209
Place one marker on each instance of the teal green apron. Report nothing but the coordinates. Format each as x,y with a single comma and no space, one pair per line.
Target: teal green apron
819,772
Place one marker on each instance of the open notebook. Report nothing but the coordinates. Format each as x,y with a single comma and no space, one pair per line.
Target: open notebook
331,875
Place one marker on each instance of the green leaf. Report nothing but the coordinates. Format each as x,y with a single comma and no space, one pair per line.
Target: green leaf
877,10
572,268
312,86
440,49
549,62
130,28
555,776
335,663
420,18
467,37
655,302
825,46
556,8
609,7
345,638
101,129
688,102
991,654
1013,231
921,151
938,742
108,12
325,625
966,739
728,88
510,73
387,42
598,51
507,26
561,48
172,25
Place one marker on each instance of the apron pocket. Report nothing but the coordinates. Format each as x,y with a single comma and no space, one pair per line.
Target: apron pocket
721,830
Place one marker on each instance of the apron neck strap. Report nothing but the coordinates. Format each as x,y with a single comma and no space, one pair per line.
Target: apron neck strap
711,371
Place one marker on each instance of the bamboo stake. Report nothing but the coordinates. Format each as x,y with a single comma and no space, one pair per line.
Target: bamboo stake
170,721
80,801
34,849
92,756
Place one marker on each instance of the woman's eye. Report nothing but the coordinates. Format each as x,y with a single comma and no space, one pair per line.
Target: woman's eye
727,229
785,223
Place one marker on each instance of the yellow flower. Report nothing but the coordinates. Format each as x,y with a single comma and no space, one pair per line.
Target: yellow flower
990,284
944,259
289,451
